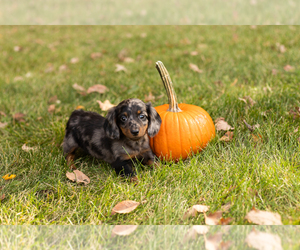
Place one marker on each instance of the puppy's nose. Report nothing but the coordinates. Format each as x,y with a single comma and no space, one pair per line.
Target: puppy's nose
134,131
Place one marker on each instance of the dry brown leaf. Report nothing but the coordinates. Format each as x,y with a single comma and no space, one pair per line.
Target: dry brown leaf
221,124
19,117
234,82
79,88
195,68
2,197
17,48
194,53
143,35
124,207
213,242
288,68
74,60
51,108
96,55
63,67
225,221
106,105
274,72
78,176
227,137
194,231
120,67
260,217
194,209
18,78
226,207
257,138
150,97
263,241
295,112
248,100
2,113
97,88
213,219
3,124
122,54
9,177
27,149
123,230
251,128
185,41
52,99
128,60
296,130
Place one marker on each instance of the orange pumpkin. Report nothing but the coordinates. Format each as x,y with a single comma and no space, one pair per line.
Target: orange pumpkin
185,128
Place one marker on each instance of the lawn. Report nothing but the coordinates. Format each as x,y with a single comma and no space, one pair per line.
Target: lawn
259,169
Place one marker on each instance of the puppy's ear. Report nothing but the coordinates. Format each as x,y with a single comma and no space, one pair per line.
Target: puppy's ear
154,120
110,125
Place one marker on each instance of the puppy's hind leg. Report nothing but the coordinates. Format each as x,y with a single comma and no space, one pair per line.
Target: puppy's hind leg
70,147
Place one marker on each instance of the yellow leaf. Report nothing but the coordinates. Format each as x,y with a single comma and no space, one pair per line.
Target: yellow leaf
9,177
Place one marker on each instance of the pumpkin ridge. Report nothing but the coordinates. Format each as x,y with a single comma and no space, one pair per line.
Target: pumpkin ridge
196,113
195,122
178,122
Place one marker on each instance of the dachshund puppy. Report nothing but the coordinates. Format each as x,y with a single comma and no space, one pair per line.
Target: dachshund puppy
118,139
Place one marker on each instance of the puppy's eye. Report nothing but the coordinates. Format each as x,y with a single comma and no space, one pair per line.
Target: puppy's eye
123,118
142,116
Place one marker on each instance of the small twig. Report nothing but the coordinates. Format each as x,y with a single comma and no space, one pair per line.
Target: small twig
248,126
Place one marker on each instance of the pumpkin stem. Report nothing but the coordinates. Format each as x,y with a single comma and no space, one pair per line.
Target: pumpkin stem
166,79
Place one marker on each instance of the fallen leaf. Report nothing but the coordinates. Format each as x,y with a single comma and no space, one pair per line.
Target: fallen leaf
295,113
106,105
97,88
17,48
257,138
223,221
296,130
79,88
8,177
122,54
128,60
221,124
18,78
120,67
226,207
96,55
78,176
63,67
194,53
19,117
213,219
274,72
123,230
74,60
143,35
2,197
124,207
52,99
79,107
248,100
288,68
263,217
2,113
234,82
150,97
194,231
227,137
51,108
263,241
3,124
195,68
27,149
194,209
213,242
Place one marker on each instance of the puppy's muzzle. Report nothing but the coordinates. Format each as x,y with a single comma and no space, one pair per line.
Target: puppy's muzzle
134,131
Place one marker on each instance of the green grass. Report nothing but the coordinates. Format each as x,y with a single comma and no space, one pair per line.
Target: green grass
248,174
